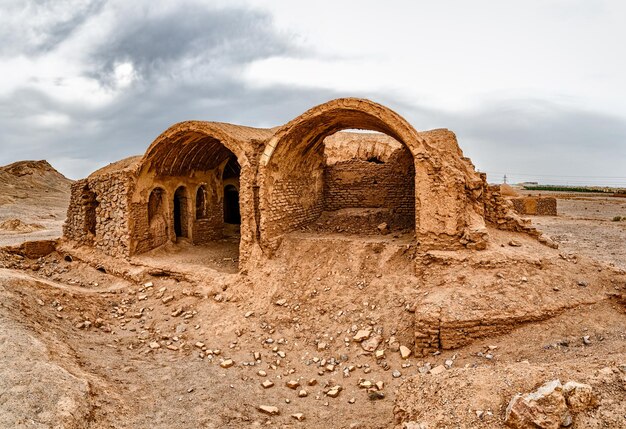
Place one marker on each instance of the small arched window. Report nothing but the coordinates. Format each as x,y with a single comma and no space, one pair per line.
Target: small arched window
201,208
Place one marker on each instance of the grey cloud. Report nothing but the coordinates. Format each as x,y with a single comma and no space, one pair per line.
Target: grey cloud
189,59
191,36
32,27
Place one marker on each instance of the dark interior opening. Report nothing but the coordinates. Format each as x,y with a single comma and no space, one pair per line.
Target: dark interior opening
201,206
231,205
375,160
90,203
180,212
232,169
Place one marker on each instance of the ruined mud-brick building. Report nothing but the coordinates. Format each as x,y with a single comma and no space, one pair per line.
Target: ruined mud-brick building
201,181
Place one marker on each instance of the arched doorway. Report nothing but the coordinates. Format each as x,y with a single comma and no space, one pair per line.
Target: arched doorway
232,214
294,170
181,213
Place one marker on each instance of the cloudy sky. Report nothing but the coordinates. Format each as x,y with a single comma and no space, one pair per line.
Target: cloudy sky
533,89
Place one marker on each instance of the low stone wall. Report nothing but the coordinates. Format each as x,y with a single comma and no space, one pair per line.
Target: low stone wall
500,212
540,206
98,213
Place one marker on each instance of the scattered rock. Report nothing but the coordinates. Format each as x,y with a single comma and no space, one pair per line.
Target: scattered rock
514,243
371,343
544,408
267,384
579,396
298,416
362,334
375,395
405,352
439,369
333,392
227,363
292,384
383,228
269,409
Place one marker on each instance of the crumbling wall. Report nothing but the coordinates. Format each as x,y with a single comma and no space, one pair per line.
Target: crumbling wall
535,205
499,212
98,214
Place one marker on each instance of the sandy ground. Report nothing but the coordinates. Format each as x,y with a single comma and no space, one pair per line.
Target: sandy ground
148,343
585,225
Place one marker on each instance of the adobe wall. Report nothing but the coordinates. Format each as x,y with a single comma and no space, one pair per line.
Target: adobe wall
383,182
109,212
535,205
295,198
152,230
499,212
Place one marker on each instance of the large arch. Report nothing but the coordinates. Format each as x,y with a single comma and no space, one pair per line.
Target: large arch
290,181
193,154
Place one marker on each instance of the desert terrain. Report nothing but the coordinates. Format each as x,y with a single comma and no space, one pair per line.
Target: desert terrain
321,336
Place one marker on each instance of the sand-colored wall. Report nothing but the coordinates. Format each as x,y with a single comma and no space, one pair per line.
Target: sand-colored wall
287,180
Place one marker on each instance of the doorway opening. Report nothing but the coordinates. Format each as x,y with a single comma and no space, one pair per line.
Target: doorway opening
181,218
232,214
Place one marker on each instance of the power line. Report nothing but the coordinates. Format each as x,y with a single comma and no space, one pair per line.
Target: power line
499,173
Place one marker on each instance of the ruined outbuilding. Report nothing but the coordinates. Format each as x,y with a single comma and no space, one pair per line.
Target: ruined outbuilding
200,182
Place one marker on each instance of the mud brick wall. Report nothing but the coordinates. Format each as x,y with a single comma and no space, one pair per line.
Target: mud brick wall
499,212
296,200
361,184
541,206
75,224
211,227
436,331
152,230
103,200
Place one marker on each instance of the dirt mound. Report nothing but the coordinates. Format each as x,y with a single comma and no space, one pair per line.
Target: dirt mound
41,385
16,225
22,176
508,191
33,201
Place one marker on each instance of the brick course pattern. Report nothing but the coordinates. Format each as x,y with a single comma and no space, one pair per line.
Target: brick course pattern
540,206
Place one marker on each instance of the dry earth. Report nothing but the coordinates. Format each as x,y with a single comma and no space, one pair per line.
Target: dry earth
33,202
90,342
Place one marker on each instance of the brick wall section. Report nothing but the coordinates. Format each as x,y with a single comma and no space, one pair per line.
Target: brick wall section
499,212
297,199
435,332
112,235
212,227
541,206
361,184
